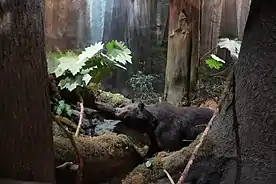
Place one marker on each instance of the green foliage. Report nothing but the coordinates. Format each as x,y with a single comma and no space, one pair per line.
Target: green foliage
91,65
142,85
233,46
61,107
214,62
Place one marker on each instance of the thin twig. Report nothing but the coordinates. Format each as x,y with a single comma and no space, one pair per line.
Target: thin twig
66,164
73,142
191,160
169,176
81,116
207,53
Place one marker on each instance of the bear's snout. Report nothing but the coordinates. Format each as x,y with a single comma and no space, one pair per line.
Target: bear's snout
121,113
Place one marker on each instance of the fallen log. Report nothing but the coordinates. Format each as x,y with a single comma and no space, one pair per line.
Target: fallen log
106,156
174,162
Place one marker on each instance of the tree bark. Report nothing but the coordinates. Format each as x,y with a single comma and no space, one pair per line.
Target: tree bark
210,24
254,102
182,57
245,6
26,138
116,30
229,19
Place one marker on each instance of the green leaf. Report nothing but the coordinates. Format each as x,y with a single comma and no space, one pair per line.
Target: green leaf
70,63
85,71
89,52
214,62
68,110
52,64
68,83
72,86
61,104
110,45
60,107
232,45
59,71
58,110
91,65
86,78
119,52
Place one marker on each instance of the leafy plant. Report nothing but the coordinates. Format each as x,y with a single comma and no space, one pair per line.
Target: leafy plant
233,46
62,107
142,85
91,65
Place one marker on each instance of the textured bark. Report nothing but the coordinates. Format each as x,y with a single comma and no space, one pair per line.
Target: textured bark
229,19
138,32
66,24
182,57
116,30
162,20
26,136
210,24
234,16
255,101
242,18
196,12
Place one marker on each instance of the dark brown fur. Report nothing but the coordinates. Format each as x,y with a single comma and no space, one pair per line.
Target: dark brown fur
166,125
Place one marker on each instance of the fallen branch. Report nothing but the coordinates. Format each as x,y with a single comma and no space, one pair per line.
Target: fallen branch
169,176
69,123
73,142
81,116
191,160
64,165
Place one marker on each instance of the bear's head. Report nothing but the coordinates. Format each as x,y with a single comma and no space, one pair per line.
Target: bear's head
137,117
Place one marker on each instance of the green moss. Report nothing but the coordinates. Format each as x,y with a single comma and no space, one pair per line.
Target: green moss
114,99
104,96
107,146
169,161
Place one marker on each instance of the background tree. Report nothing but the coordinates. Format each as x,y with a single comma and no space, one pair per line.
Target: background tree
254,102
26,136
183,47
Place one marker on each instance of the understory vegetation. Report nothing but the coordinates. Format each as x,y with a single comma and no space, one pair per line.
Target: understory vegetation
78,75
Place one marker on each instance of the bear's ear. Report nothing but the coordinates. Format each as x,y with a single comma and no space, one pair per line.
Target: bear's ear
141,106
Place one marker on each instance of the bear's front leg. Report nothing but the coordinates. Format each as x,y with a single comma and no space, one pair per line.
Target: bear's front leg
153,147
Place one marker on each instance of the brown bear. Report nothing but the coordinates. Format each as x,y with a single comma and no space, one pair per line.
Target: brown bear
166,125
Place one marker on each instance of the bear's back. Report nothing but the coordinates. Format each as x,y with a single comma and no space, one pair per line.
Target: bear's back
195,115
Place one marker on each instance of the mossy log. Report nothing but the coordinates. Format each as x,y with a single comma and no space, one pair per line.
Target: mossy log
114,99
173,163
104,157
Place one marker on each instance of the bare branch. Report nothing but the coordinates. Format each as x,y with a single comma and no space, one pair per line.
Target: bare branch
191,160
73,142
81,116
169,176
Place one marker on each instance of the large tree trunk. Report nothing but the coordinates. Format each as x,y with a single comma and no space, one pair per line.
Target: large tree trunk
66,24
255,101
244,10
116,30
182,58
26,136
210,24
229,21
